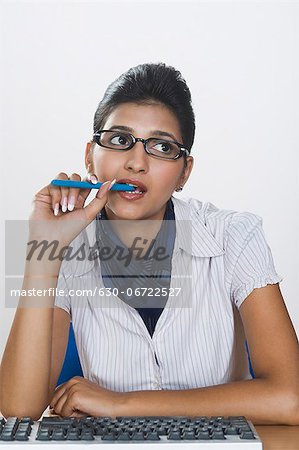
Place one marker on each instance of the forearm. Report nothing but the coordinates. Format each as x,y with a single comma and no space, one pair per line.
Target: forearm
26,362
259,400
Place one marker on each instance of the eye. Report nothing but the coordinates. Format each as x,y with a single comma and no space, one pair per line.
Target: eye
119,139
163,146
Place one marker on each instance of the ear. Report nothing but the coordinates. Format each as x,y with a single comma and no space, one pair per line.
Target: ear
187,170
88,162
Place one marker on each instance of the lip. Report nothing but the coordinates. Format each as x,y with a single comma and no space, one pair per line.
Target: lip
130,195
134,181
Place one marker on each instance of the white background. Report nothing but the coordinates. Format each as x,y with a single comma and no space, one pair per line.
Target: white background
240,60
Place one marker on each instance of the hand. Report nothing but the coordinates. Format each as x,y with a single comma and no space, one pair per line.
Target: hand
79,397
50,222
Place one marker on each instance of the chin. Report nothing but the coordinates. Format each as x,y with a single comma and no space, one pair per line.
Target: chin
125,212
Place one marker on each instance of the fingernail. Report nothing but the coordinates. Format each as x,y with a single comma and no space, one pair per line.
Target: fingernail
56,209
93,179
112,183
71,204
64,204
103,189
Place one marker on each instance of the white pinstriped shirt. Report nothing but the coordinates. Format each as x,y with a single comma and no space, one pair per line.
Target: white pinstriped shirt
199,338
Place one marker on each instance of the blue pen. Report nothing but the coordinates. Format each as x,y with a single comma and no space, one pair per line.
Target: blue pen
87,185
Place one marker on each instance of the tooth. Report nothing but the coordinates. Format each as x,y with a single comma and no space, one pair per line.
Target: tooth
134,185
136,192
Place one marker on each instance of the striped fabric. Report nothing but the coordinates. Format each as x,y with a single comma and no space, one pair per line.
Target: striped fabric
143,273
219,257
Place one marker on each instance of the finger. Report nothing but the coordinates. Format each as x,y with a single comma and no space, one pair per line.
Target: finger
58,408
78,413
71,403
64,192
63,388
92,178
101,198
63,393
56,193
59,392
73,193
84,193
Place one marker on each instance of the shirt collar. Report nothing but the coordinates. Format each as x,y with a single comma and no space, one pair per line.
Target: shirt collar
192,235
202,243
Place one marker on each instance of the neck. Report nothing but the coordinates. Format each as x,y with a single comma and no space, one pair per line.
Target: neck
141,232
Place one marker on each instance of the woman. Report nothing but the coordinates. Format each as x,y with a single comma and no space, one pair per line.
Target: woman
179,354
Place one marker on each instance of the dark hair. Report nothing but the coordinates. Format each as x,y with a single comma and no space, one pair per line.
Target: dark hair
147,84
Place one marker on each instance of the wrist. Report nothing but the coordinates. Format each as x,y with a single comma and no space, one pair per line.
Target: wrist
35,268
120,404
44,255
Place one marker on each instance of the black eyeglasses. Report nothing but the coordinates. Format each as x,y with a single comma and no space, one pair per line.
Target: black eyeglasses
160,148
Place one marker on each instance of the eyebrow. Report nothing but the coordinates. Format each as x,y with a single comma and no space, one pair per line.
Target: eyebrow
156,132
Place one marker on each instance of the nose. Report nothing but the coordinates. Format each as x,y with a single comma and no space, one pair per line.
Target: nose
137,158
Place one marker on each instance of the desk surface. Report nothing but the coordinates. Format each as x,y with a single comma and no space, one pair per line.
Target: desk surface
279,437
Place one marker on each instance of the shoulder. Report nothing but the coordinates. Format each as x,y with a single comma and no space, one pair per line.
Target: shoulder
223,224
212,215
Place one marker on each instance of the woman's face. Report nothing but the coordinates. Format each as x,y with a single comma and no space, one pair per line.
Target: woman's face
161,177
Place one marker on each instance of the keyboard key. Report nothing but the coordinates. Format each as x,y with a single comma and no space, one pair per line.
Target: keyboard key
100,430
58,435
174,435
244,428
27,420
247,435
217,435
190,436
138,436
73,435
232,431
153,436
7,435
87,435
124,436
204,435
43,435
58,421
161,430
109,437
21,435
9,429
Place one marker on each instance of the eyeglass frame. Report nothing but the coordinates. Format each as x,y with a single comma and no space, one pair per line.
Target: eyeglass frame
183,149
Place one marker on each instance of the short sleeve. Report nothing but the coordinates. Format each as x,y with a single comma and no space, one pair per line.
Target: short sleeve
62,298
254,267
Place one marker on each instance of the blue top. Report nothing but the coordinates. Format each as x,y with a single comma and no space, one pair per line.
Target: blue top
150,273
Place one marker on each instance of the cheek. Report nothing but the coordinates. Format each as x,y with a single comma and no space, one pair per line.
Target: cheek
168,176
105,165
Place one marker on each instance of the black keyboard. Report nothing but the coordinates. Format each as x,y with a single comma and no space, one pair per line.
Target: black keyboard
204,432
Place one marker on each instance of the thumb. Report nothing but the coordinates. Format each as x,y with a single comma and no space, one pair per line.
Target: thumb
92,209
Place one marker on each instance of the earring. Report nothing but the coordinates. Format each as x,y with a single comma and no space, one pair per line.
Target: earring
180,188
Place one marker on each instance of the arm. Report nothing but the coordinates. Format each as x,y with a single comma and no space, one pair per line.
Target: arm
271,398
37,341
26,370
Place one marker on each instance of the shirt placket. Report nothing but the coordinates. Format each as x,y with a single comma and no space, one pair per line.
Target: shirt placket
156,381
